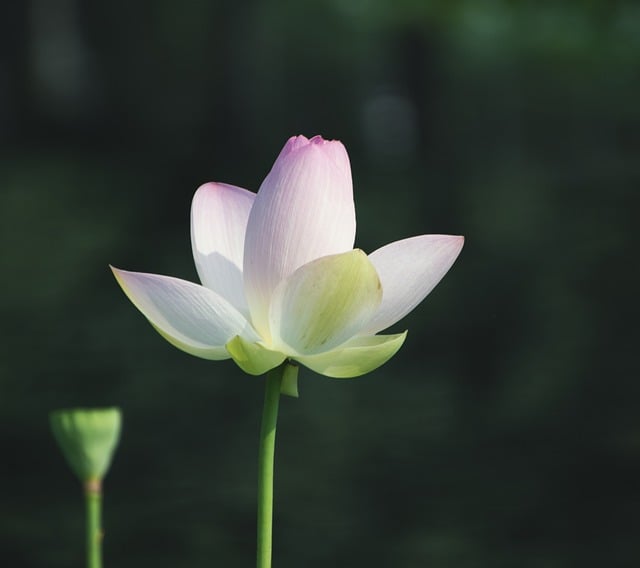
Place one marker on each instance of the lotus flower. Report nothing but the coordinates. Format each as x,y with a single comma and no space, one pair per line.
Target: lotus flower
280,277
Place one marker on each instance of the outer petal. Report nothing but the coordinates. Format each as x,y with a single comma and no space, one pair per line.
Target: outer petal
324,303
304,210
409,270
356,357
189,316
219,214
253,358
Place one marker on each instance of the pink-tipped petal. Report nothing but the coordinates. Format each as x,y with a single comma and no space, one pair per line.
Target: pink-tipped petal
294,143
304,210
219,214
191,317
409,269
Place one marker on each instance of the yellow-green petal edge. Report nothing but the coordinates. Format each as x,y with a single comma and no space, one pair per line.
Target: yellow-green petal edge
357,357
253,358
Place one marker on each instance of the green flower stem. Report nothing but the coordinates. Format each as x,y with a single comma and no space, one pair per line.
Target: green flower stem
265,464
93,501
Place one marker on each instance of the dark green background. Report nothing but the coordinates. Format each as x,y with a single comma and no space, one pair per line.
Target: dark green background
505,433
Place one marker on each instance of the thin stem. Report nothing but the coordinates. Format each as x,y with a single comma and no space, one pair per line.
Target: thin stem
265,465
93,501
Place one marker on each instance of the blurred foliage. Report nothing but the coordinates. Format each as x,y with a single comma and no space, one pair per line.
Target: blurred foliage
505,433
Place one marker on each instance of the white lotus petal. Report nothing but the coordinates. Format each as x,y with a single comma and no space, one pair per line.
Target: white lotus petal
324,303
304,210
219,214
191,317
356,357
409,269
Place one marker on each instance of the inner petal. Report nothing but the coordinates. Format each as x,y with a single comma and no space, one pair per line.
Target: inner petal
304,210
324,303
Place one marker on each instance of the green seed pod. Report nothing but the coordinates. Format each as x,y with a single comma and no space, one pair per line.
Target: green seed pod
87,437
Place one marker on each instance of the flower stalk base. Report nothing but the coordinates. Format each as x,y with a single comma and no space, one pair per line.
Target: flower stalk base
265,465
